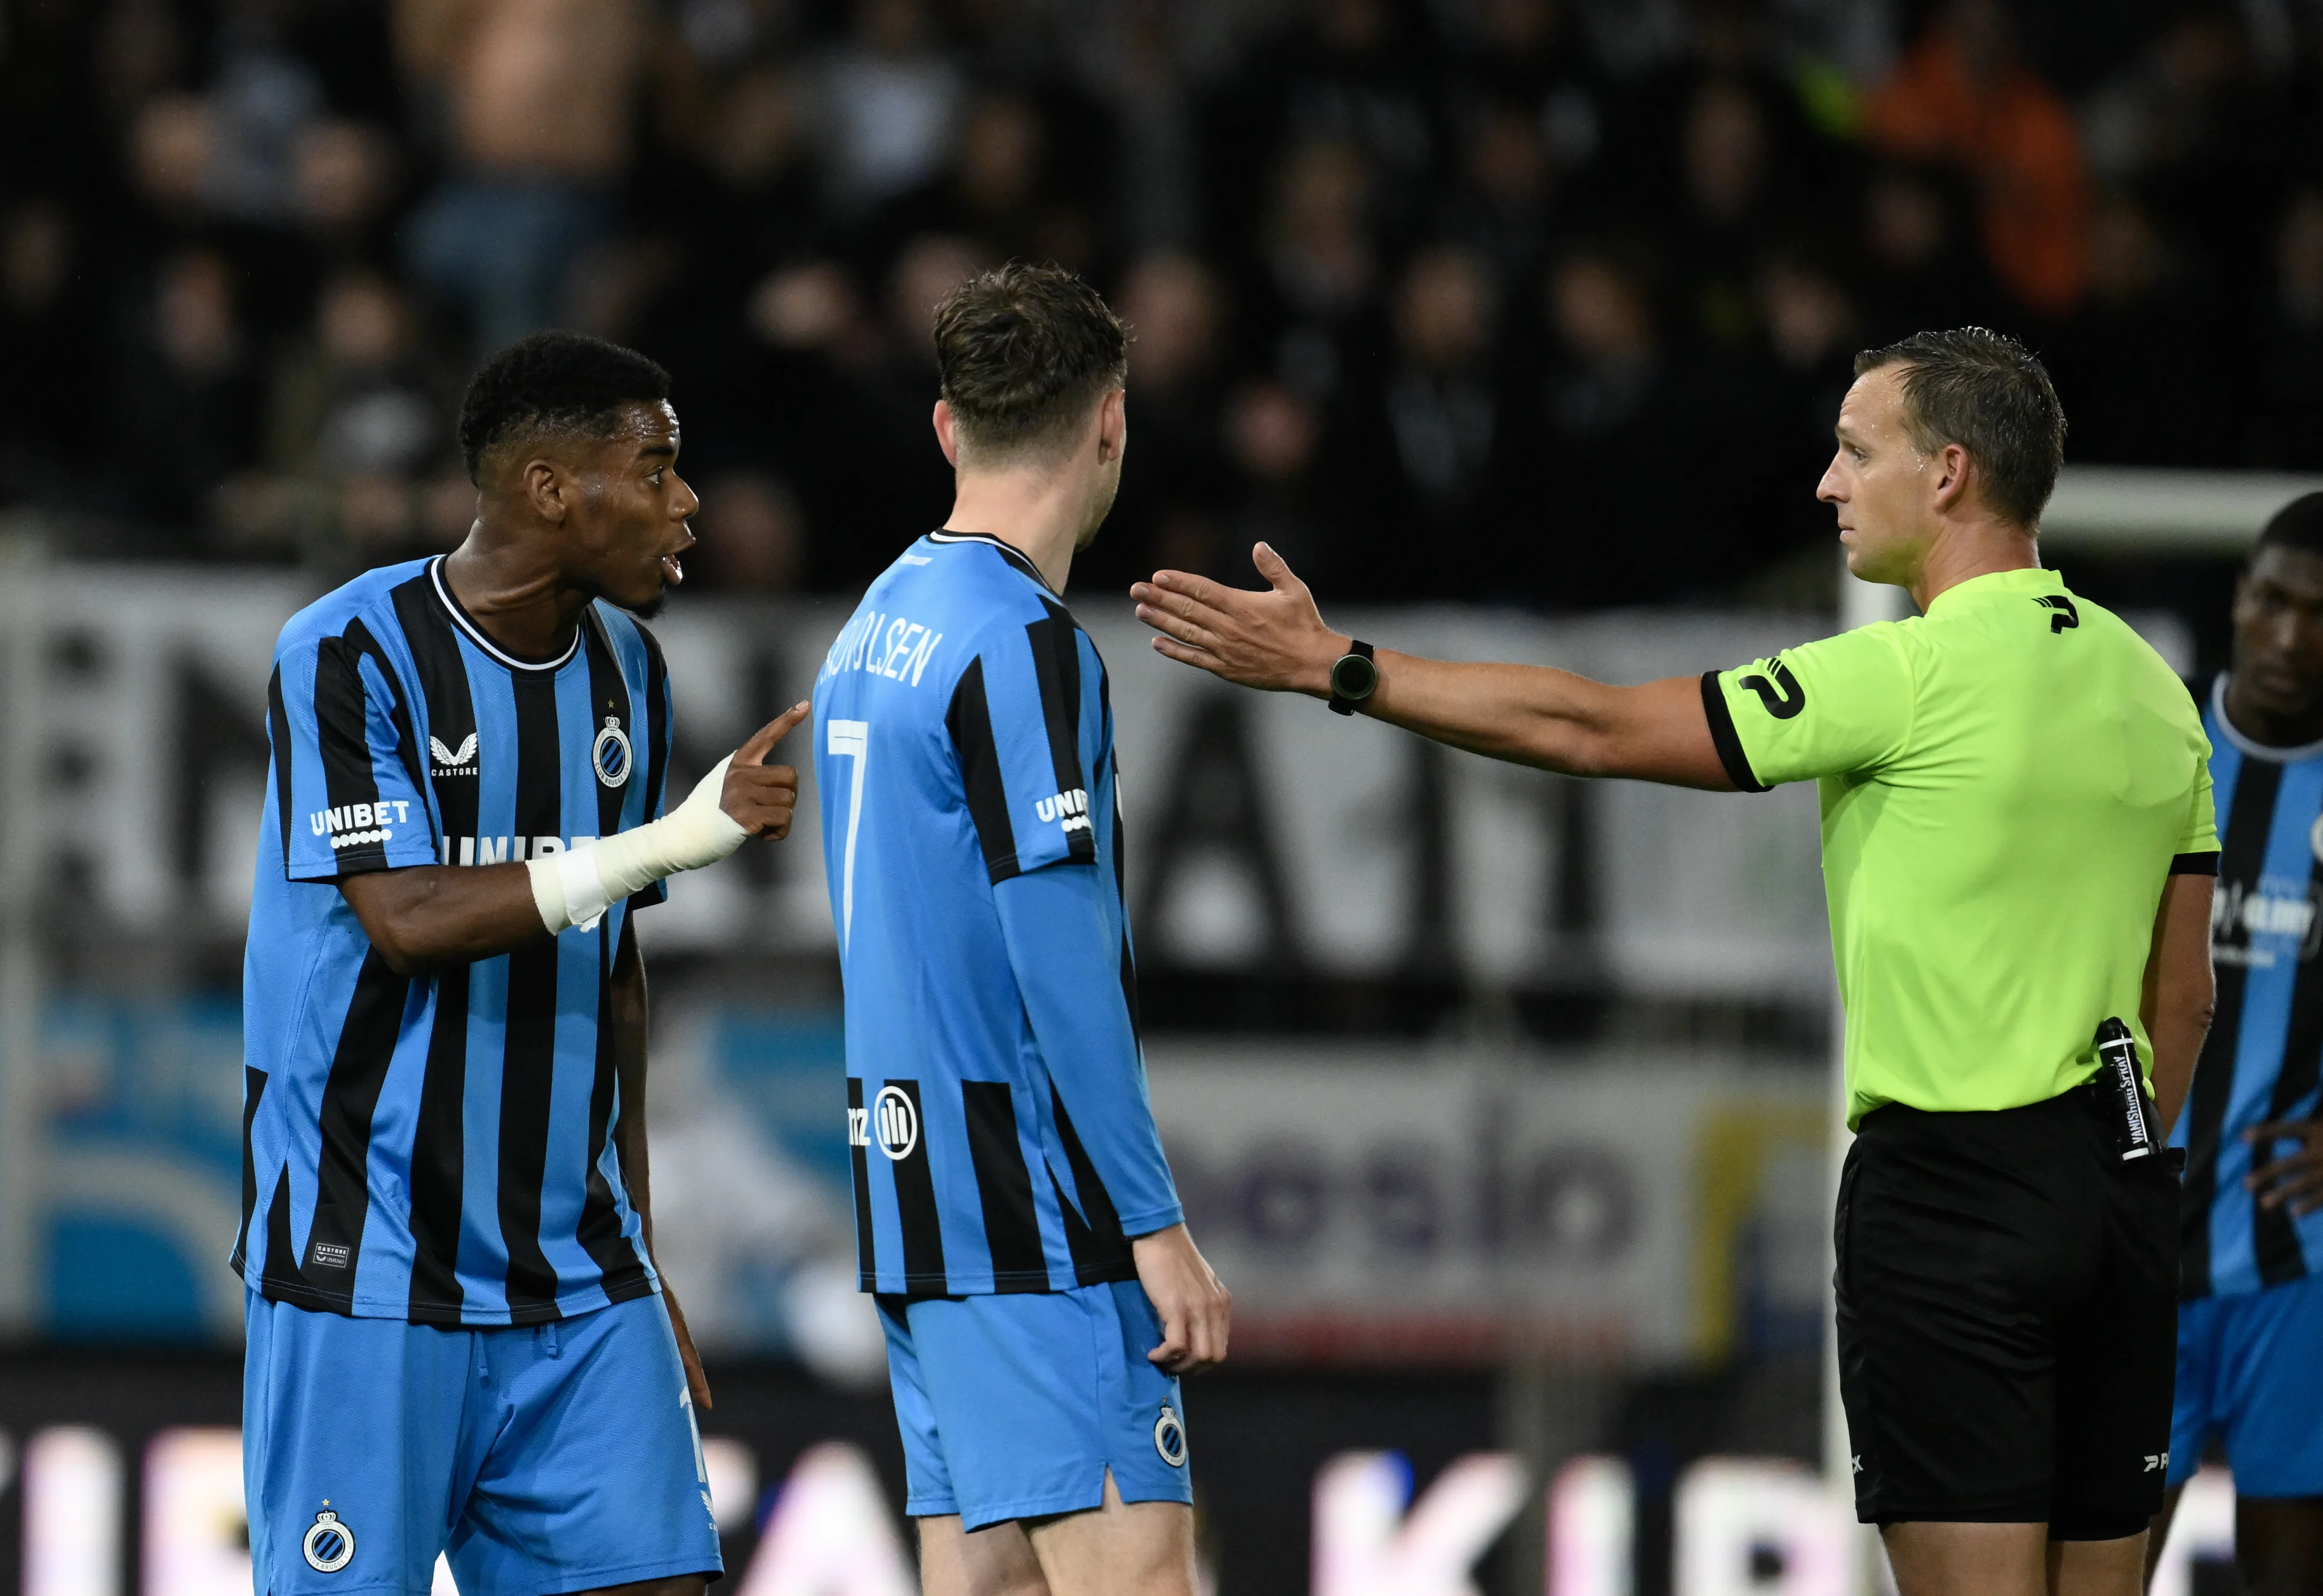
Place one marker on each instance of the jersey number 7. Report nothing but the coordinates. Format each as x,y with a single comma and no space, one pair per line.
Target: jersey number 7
850,740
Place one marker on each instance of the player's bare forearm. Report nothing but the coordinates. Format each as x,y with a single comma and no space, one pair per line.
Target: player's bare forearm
1276,640
426,916
1195,1310
2178,991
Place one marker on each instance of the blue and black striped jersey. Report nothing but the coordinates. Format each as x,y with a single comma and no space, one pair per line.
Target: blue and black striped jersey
439,1148
1000,1132
2260,1062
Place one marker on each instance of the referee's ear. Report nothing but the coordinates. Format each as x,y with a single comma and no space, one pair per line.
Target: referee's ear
1956,470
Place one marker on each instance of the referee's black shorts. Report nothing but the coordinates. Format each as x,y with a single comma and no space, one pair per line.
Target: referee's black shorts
2007,1319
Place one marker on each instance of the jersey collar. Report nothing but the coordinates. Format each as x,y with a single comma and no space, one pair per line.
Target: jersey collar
2252,750
1015,555
476,634
2031,579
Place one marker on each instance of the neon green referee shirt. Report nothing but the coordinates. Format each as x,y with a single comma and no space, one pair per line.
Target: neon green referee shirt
2006,781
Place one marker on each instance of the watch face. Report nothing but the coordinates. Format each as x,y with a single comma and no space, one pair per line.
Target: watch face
1353,677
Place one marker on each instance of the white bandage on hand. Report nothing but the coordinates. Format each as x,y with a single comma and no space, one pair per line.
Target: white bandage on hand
575,887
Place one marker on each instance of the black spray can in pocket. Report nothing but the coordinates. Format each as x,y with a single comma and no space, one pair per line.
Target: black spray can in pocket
2121,1092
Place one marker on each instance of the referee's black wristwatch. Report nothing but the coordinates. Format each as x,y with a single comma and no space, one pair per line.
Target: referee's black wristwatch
1353,677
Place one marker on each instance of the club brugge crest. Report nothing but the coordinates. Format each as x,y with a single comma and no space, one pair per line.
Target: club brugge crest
329,1545
611,754
1170,1437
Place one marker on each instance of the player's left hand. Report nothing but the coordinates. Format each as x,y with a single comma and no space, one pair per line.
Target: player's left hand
697,1384
1197,1311
1275,640
2294,1180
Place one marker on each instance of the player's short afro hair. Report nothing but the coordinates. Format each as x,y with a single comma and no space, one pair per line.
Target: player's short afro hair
2297,524
550,384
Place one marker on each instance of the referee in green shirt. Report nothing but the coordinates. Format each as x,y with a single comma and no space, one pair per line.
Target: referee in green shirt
2018,848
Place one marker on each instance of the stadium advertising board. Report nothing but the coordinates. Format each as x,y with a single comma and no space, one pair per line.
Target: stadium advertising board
1265,834
159,1511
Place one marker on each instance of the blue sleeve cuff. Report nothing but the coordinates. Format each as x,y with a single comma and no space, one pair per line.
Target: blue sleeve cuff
1145,1222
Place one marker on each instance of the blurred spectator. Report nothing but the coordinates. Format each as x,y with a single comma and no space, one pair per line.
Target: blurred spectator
1137,58
724,34
353,424
1442,400
1922,271
2139,373
261,99
2288,434
2173,107
1963,96
140,51
343,176
184,405
1282,497
1723,154
1500,207
49,415
1177,369
1347,75
2188,130
1812,331
998,193
1612,411
1330,223
1527,112
1321,265
172,153
538,98
1524,52
887,104
353,404
897,396
753,536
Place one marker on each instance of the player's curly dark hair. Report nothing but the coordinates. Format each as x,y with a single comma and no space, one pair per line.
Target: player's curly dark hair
553,384
1990,395
1024,351
2297,524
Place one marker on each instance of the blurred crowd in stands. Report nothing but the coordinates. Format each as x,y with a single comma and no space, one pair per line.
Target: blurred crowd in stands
1543,302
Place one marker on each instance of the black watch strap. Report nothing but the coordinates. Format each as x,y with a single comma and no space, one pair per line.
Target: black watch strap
1353,677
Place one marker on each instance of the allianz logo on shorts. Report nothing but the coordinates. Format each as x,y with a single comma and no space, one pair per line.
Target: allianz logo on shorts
892,1122
330,1545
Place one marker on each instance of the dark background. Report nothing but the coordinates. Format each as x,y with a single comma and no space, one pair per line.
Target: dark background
1542,303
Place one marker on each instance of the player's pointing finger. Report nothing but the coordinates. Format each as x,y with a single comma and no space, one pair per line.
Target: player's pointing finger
762,741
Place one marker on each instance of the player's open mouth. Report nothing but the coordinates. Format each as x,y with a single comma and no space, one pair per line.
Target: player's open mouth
673,570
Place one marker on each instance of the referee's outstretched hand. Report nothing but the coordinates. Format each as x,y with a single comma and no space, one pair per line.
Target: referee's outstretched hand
761,796
1197,1312
1274,639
